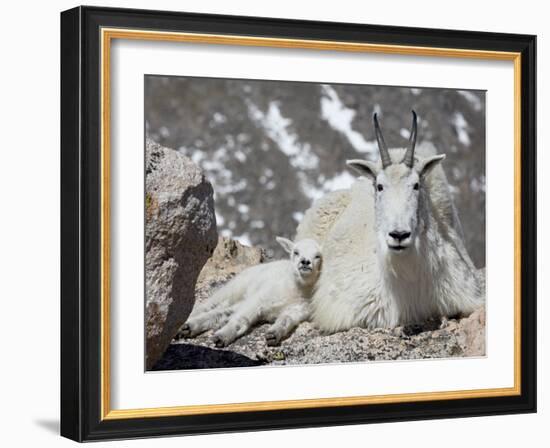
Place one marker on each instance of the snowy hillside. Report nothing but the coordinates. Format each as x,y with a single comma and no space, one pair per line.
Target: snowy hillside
270,148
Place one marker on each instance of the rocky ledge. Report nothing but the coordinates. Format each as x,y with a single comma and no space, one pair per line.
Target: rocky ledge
457,338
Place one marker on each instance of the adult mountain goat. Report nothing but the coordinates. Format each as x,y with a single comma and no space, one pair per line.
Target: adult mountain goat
392,244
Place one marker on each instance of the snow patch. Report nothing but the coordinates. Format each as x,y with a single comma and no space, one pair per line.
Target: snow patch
240,156
298,216
270,185
404,133
243,208
455,191
244,239
196,157
226,233
339,182
457,174
257,224
277,128
340,117
472,98
220,221
477,185
232,188
219,118
461,128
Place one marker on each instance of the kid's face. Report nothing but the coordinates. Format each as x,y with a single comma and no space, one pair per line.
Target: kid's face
305,255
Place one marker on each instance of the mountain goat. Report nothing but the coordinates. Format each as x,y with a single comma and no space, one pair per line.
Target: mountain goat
277,292
393,246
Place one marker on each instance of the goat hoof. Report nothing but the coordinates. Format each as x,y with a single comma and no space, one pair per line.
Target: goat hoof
185,331
271,339
219,341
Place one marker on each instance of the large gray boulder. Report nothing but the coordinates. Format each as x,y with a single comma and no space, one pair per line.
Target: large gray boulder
180,236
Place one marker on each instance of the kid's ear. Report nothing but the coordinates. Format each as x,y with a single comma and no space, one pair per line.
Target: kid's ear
426,165
285,243
364,168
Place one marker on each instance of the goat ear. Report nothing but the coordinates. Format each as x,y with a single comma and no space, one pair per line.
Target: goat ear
364,168
285,243
425,166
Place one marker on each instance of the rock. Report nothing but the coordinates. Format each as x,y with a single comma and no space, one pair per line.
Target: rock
472,333
188,356
180,235
229,258
460,338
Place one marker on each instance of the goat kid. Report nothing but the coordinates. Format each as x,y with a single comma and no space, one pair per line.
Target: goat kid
277,292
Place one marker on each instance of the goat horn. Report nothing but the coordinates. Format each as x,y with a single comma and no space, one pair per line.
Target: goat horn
408,159
382,147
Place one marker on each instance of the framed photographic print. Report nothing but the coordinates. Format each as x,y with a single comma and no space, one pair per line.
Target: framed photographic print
276,224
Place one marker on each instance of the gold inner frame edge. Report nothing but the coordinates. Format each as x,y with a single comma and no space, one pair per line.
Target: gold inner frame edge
107,35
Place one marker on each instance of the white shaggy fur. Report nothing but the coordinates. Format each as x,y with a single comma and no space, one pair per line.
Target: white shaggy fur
277,292
364,281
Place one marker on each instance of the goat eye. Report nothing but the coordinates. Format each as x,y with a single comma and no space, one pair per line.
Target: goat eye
317,257
416,186
379,187
296,253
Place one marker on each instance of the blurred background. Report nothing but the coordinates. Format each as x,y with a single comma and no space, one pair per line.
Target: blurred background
270,148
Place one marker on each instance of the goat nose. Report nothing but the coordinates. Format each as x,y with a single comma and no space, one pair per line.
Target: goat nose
306,262
400,235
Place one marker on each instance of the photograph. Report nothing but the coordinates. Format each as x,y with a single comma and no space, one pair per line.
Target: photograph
295,223
274,223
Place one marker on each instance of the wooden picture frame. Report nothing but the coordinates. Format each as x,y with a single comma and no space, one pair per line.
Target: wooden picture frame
86,35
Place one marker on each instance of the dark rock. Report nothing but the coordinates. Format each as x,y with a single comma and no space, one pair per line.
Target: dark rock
187,356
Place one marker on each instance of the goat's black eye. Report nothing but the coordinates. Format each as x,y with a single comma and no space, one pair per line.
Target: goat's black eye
379,187
416,186
296,253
